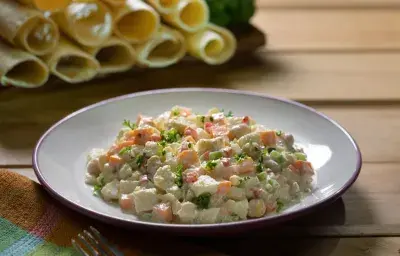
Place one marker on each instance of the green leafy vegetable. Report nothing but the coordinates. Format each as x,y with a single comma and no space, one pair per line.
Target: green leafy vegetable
211,164
278,133
179,177
124,150
176,112
230,114
170,136
202,201
240,157
129,124
97,188
279,206
139,160
231,12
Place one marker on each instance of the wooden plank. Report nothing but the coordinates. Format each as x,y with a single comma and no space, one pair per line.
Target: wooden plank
24,119
251,245
326,3
299,76
330,29
369,208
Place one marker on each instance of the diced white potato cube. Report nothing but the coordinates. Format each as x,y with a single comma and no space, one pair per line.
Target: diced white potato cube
127,186
93,167
204,184
241,208
256,208
145,199
239,130
122,132
204,145
175,190
189,195
111,190
236,193
208,215
153,164
187,213
125,172
236,148
179,123
175,204
164,177
135,175
90,179
202,134
249,138
251,184
151,148
235,180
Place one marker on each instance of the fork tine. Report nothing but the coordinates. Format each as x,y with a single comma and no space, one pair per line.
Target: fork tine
96,242
88,245
78,247
104,241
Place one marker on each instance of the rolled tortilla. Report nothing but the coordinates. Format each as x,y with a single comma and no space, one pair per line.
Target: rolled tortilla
214,45
165,49
27,28
191,15
19,68
115,55
164,6
87,22
70,63
136,21
46,5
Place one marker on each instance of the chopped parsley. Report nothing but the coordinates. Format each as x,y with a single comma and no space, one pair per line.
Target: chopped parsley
259,167
129,124
278,133
163,152
203,119
211,119
162,143
243,179
179,177
176,112
279,205
97,188
230,114
190,145
202,201
240,157
139,160
170,136
125,150
211,164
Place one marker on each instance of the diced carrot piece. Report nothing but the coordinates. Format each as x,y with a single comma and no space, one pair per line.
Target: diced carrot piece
268,138
246,120
126,202
189,131
299,164
162,212
224,187
155,137
115,160
188,158
140,136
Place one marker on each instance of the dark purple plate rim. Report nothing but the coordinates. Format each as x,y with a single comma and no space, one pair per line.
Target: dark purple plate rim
192,228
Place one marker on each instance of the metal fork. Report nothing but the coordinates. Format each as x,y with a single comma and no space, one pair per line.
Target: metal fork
96,244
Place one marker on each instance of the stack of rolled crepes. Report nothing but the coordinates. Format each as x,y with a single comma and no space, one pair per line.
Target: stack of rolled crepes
77,40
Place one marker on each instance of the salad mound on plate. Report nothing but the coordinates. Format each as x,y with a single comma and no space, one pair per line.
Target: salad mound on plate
182,167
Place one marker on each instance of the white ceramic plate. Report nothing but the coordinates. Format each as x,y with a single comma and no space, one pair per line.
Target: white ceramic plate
60,155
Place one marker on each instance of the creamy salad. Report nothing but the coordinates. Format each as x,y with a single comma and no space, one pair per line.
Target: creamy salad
184,167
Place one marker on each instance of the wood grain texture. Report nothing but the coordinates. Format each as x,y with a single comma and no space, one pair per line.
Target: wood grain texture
327,3
368,208
27,116
330,29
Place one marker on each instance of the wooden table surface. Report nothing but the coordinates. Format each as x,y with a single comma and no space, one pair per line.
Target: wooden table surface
341,57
